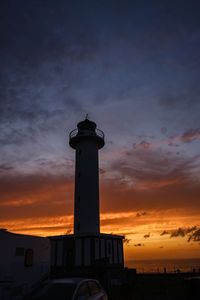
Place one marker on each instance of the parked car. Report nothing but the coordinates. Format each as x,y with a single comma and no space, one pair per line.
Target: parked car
69,289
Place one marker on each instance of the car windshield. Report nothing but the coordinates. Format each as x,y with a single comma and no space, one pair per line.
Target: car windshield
53,291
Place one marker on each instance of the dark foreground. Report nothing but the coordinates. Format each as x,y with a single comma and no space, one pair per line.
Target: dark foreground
183,286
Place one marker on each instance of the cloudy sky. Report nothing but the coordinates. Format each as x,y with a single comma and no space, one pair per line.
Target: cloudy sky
134,67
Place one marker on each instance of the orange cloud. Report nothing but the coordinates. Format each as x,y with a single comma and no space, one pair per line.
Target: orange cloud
36,195
125,223
148,193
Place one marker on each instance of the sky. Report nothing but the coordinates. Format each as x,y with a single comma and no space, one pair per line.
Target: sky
134,68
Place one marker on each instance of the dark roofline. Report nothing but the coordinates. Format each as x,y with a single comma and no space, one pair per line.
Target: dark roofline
103,235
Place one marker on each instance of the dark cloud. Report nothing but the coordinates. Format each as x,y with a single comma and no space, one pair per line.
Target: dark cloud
190,229
181,232
5,167
49,39
102,171
154,169
138,245
126,241
69,231
61,60
172,144
190,135
195,236
192,233
178,232
147,235
144,213
23,119
37,57
164,232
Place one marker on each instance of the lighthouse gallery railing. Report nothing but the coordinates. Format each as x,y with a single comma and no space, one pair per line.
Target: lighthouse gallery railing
76,132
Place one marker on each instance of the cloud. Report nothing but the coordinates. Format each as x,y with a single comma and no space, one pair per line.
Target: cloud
195,236
142,145
120,219
138,245
174,196
53,37
126,241
147,235
36,195
190,135
190,229
102,171
172,141
181,232
70,61
153,169
164,233
178,232
39,225
5,167
144,213
69,231
187,137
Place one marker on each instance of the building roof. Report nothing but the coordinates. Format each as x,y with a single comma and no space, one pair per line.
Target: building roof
81,235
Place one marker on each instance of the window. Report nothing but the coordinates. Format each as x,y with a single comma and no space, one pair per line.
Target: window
28,258
53,290
78,225
109,248
94,288
83,291
79,152
19,252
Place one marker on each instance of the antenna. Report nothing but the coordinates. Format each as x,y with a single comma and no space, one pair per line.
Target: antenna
86,116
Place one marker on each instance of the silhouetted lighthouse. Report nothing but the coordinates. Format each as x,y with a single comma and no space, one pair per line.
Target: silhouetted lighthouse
88,248
86,140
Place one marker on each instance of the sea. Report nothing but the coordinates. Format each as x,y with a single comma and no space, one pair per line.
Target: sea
165,265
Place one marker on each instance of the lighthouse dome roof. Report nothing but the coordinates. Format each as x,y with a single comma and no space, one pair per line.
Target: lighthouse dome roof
86,125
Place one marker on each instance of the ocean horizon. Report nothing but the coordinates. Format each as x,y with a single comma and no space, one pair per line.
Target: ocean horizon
165,265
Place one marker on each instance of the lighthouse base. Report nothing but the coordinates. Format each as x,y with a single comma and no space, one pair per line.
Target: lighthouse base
85,252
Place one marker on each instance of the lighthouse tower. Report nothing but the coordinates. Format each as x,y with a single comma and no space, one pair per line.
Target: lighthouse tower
86,140
88,248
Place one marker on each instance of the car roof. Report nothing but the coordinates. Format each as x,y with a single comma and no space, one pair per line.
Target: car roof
73,280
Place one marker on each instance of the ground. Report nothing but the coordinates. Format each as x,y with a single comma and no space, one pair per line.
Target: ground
159,287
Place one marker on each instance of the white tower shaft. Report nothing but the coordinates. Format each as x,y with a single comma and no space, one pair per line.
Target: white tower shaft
86,210
86,141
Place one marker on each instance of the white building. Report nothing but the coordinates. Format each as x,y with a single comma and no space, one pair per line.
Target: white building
24,262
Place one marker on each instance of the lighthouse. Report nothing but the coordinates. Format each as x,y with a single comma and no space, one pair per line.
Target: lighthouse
87,248
86,140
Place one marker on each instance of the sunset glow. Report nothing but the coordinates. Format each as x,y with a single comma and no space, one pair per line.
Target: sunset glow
134,68
148,223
